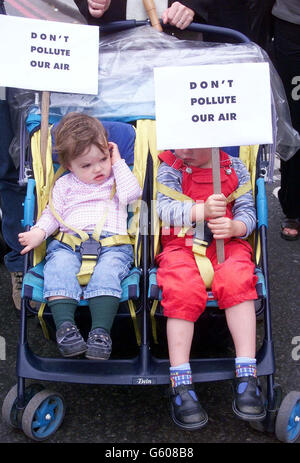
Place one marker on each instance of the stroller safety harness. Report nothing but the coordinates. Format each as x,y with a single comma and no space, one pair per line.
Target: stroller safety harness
200,243
90,246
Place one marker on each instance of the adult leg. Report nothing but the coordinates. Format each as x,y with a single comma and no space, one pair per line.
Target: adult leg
233,14
12,198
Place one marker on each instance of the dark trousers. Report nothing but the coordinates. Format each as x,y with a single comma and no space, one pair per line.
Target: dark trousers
11,194
287,62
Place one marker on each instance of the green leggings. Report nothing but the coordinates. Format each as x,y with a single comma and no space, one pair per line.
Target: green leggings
103,311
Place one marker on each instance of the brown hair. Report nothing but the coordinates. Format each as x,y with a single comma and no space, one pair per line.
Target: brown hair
75,133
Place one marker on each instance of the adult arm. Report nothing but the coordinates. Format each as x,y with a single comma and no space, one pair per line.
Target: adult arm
117,10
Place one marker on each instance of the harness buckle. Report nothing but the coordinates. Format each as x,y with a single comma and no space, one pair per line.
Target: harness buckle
90,247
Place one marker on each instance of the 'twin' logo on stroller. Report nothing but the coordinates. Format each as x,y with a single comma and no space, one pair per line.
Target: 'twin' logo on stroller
2,348
296,350
143,380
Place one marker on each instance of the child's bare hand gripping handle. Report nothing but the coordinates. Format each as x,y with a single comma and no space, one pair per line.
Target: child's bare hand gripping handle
213,207
224,227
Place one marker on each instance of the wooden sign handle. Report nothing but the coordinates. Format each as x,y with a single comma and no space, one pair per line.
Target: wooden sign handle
44,131
151,11
217,190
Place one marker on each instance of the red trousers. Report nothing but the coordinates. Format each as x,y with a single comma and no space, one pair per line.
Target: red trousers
184,294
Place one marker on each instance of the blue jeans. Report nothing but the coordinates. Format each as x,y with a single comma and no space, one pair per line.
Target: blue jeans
11,194
62,265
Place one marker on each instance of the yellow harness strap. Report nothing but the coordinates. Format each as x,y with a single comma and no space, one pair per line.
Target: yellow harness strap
152,313
177,195
42,322
241,190
83,235
203,263
199,247
134,321
88,260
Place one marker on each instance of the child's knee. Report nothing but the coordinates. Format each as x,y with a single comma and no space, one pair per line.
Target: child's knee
234,284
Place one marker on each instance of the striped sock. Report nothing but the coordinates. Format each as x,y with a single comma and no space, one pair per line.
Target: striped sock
245,366
181,374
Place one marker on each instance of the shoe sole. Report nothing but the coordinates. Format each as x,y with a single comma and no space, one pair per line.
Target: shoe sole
188,427
246,416
73,354
91,357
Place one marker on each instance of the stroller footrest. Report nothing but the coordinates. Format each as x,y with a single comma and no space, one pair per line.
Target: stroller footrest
128,371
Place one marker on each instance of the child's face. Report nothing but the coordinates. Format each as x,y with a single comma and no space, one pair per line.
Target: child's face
196,157
93,166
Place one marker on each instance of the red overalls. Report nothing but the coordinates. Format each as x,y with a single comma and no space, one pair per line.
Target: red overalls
184,294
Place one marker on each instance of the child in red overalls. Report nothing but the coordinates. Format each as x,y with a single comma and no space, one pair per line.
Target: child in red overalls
184,295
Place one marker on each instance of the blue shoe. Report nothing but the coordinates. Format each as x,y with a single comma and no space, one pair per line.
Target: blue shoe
69,341
186,410
248,401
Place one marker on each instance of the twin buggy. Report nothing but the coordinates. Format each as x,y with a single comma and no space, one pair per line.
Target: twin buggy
139,355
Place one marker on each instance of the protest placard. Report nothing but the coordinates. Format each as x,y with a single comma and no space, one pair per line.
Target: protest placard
47,55
213,105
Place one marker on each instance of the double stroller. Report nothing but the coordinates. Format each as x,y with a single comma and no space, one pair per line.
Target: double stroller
139,355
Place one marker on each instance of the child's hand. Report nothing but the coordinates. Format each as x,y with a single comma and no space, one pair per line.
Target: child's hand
224,227
31,239
114,152
215,206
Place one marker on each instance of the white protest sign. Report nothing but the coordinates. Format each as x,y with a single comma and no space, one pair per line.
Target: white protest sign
213,105
48,55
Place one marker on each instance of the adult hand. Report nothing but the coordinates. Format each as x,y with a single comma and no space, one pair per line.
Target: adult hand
178,15
97,8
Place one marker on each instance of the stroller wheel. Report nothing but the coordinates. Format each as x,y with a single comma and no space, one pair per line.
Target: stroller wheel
43,415
10,414
287,426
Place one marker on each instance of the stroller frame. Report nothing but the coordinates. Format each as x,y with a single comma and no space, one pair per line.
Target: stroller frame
145,369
